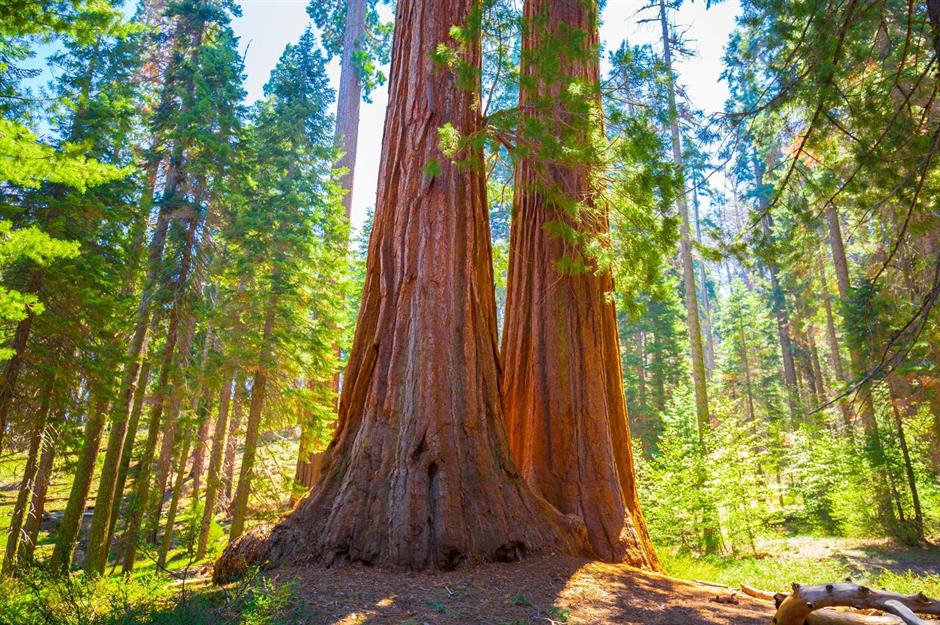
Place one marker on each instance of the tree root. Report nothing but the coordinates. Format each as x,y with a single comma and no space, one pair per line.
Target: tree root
250,550
812,605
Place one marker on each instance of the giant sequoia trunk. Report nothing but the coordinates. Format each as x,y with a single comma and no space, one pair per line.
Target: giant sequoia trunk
562,381
419,473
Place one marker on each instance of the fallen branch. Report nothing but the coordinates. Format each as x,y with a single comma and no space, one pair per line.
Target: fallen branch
797,607
757,593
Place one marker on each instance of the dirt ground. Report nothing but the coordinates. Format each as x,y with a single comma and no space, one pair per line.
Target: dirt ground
544,590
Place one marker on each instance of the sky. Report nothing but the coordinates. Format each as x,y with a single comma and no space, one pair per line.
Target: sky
267,26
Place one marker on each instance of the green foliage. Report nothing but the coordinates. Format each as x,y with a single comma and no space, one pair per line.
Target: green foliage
286,239
371,52
38,247
149,599
733,465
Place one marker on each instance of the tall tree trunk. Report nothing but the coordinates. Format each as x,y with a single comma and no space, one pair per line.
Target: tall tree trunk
110,522
214,477
253,428
141,496
906,456
835,354
349,97
658,379
170,422
37,504
231,446
778,299
815,365
708,329
562,381
419,473
639,417
136,372
71,523
202,440
746,365
864,401
349,100
200,406
170,527
12,370
699,378
37,434
187,37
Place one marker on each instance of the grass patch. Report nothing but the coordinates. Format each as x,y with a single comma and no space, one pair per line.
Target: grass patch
776,574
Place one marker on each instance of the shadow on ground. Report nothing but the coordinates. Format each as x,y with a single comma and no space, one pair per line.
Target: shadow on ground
555,589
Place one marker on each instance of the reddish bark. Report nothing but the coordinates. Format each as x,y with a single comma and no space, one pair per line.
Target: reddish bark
562,381
419,474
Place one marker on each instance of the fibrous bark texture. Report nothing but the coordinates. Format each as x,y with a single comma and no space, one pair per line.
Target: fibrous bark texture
562,380
419,473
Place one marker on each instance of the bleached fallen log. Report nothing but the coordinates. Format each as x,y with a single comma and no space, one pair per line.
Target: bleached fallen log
807,600
832,616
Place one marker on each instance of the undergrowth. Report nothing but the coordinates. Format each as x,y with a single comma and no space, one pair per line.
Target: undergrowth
43,599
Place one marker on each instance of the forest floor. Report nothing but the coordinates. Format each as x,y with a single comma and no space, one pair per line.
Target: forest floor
546,590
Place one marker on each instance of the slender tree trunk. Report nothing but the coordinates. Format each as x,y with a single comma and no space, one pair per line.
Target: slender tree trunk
253,428
864,400
37,505
231,446
200,406
348,104
110,487
214,476
699,377
908,465
778,299
124,468
419,473
142,476
199,453
658,380
815,364
14,364
640,416
349,97
708,328
562,381
70,526
865,407
169,529
26,483
746,365
170,421
835,354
